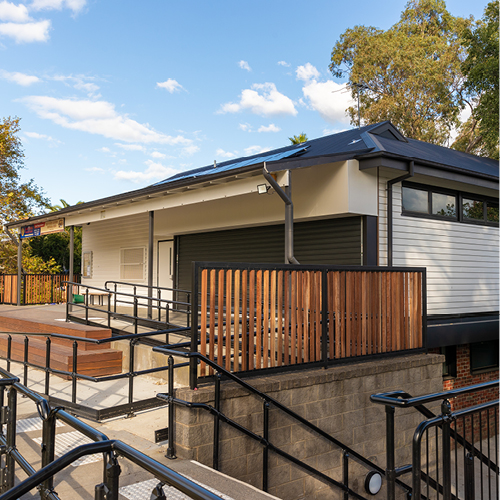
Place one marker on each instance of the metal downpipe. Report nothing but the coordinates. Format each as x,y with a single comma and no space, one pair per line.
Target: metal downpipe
286,196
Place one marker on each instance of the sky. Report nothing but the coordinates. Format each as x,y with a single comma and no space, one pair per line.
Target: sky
115,95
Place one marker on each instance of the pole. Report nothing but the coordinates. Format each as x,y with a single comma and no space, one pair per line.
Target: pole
19,269
69,296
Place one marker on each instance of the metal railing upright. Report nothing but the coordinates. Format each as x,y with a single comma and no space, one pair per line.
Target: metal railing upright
445,472
111,449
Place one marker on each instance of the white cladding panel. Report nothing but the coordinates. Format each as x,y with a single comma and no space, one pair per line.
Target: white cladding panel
462,260
106,238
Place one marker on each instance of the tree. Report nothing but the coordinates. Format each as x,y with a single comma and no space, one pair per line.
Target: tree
17,200
410,74
479,134
298,139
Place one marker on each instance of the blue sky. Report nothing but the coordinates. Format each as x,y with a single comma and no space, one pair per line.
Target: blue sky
115,95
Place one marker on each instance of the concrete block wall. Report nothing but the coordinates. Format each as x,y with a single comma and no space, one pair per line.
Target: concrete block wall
336,400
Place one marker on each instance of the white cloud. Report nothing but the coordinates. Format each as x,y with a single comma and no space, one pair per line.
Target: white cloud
328,98
284,63
19,78
331,131
246,127
190,150
48,138
244,65
104,149
74,5
27,32
95,169
220,153
253,150
262,99
97,117
79,82
170,85
270,128
13,12
155,171
157,154
307,72
130,147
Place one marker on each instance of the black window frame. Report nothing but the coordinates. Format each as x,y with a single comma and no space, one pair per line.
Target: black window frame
459,197
491,346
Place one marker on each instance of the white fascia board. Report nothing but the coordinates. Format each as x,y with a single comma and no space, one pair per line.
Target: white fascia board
190,196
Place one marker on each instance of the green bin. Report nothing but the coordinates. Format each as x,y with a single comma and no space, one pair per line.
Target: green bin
78,299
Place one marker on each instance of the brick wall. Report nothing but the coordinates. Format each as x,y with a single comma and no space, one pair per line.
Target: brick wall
464,378
337,400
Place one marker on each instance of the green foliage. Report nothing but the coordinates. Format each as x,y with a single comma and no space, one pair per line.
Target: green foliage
56,246
298,139
479,134
410,74
17,200
31,263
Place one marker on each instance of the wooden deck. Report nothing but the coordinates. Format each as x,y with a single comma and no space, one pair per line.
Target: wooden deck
92,359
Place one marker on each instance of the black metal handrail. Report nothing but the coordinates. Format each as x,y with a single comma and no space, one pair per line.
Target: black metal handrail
347,452
150,303
128,408
402,399
111,450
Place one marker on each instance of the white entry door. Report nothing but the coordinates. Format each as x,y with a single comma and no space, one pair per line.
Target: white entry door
166,267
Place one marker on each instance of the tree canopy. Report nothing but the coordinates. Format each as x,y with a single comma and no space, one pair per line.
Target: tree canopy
298,139
410,74
479,134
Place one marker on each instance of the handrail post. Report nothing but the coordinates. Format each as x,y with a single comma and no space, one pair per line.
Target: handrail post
215,464
390,472
113,471
345,471
131,363
193,361
10,462
87,307
135,311
74,371
109,309
48,449
25,371
114,305
47,365
9,351
171,409
265,457
469,477
446,410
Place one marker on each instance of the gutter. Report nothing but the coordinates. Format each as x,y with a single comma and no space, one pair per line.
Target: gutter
286,197
390,183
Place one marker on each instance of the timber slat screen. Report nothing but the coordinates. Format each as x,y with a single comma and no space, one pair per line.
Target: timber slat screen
255,317
35,288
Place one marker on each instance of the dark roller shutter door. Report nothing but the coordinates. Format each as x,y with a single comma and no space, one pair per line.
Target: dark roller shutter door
331,241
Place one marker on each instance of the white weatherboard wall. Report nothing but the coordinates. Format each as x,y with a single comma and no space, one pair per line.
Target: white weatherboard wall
462,260
105,239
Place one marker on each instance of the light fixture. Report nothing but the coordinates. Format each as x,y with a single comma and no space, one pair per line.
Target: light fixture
263,188
373,482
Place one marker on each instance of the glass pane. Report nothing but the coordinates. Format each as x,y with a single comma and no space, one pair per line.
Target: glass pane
473,209
415,200
444,204
492,211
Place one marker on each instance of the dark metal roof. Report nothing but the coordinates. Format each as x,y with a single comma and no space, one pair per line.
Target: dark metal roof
370,141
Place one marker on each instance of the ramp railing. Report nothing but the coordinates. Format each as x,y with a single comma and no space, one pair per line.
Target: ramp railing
350,459
107,489
454,453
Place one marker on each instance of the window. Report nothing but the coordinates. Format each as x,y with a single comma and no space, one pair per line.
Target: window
87,265
430,202
132,264
484,355
450,362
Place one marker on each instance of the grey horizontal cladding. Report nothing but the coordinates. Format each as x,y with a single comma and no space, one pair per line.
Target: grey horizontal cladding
331,241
